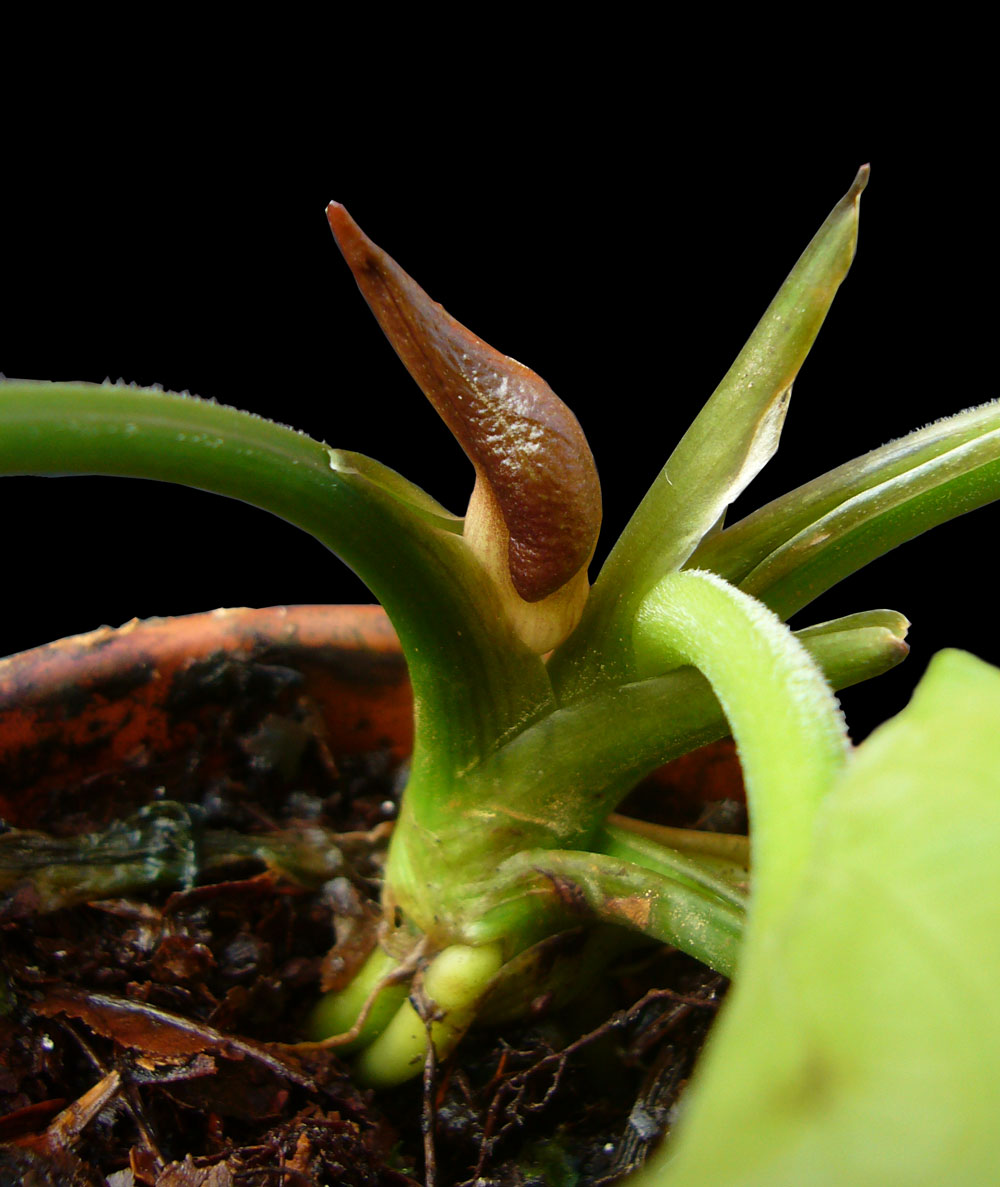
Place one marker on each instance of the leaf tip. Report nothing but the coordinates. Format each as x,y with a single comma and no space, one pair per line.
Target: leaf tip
354,244
337,217
861,180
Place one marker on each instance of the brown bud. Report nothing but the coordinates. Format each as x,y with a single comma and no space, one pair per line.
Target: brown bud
535,473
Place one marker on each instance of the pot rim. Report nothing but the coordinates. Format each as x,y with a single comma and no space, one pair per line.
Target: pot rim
98,701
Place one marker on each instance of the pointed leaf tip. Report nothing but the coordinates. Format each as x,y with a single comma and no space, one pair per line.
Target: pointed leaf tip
536,481
355,246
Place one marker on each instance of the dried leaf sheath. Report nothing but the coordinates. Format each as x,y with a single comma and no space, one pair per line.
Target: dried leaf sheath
536,482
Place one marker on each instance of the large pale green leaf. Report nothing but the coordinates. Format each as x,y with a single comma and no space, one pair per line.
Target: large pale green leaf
861,1044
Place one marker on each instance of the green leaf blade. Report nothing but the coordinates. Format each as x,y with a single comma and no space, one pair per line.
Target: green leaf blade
861,1041
730,440
875,521
805,541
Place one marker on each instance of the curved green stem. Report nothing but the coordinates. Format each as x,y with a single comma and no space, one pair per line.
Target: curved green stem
474,683
786,721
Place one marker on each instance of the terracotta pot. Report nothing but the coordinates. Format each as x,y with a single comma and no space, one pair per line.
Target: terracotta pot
74,710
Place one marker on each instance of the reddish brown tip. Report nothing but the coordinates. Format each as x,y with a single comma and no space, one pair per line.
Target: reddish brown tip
522,439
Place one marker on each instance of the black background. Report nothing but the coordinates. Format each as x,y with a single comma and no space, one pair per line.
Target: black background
621,245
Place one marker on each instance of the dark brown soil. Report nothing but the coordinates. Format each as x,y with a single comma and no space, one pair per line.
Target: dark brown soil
141,1034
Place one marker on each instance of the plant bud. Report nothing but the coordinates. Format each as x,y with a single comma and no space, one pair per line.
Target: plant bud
535,510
